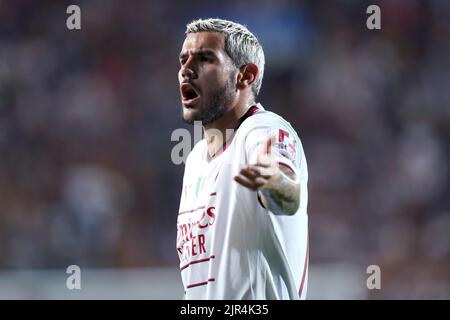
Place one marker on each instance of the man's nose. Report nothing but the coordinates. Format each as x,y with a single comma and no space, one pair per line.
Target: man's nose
188,73
187,70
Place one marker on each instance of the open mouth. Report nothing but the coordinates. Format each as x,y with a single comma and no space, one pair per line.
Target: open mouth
189,94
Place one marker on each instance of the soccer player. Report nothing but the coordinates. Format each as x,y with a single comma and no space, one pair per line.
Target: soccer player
242,223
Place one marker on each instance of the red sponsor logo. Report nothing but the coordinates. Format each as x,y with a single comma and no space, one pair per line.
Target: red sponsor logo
207,219
190,242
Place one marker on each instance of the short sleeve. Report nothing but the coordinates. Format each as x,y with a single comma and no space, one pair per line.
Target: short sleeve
285,147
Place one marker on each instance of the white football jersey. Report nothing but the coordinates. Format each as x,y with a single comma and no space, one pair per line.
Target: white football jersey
229,245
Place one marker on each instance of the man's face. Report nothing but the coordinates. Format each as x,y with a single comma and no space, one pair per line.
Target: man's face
207,77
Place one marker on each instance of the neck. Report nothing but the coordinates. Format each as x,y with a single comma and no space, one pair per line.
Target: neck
216,134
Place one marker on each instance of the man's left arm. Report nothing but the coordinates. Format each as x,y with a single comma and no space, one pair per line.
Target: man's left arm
277,185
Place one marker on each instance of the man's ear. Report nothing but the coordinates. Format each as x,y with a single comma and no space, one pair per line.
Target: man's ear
247,75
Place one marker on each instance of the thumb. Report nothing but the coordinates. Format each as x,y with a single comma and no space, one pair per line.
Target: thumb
268,143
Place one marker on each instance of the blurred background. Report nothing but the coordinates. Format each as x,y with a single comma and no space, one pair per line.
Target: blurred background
86,117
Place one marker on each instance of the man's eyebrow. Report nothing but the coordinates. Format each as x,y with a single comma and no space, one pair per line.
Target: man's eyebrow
202,52
205,52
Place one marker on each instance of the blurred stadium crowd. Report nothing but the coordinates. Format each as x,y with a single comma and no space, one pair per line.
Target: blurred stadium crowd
86,117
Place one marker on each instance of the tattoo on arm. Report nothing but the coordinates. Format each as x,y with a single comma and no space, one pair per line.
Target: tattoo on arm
283,195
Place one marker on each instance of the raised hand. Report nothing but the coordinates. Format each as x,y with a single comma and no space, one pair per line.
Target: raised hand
264,172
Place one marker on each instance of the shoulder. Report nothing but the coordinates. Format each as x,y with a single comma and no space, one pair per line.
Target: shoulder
287,146
267,122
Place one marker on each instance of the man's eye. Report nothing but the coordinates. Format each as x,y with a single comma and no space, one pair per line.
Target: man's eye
205,59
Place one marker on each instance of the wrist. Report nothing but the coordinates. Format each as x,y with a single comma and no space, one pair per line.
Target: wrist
274,182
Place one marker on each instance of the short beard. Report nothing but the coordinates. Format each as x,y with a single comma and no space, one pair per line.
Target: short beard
216,106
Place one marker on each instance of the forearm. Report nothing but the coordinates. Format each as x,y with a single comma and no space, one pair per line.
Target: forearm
282,195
